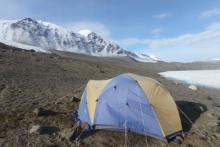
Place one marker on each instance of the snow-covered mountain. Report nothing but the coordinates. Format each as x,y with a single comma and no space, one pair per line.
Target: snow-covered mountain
45,37
151,58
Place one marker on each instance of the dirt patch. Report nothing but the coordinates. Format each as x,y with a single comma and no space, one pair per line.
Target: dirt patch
32,80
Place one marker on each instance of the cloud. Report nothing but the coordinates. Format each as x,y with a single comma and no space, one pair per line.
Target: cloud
96,27
156,32
126,42
210,13
202,39
186,47
162,15
131,41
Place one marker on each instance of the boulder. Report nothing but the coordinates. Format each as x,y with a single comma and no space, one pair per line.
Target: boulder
74,99
176,83
209,97
193,87
38,111
179,140
35,129
102,71
57,102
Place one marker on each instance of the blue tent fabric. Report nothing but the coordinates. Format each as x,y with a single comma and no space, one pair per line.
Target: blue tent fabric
83,112
122,105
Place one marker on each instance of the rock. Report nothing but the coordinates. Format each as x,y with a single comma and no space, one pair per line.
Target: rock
216,104
71,99
176,82
54,133
178,140
193,132
209,97
38,111
67,133
189,145
2,86
36,129
193,87
34,103
102,71
57,102
74,99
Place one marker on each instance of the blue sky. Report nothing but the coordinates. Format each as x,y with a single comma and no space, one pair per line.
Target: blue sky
174,30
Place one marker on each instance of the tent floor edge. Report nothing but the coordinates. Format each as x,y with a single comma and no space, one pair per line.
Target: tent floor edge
172,136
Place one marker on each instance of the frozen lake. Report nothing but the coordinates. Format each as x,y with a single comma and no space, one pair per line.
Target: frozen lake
208,78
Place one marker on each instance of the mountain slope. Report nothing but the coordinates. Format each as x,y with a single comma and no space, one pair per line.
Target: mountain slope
43,36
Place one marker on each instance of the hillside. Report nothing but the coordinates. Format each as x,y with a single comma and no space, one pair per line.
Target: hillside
32,80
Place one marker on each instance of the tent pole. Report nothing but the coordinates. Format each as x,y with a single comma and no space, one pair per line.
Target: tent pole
126,143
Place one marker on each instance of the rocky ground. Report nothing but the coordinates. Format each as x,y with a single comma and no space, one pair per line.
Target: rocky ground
36,91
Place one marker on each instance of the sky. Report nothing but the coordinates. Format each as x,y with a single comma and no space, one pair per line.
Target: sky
173,30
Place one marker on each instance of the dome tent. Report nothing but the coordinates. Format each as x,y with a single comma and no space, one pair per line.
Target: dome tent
132,102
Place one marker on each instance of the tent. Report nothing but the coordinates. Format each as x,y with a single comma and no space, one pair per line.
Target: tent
133,103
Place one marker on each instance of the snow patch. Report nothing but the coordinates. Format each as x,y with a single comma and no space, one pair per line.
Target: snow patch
23,46
155,58
84,32
208,78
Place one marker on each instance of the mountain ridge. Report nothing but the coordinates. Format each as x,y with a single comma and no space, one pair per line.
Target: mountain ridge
44,36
